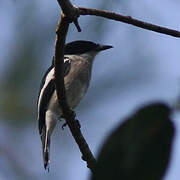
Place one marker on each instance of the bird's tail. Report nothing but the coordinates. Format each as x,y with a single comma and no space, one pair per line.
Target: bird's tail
45,138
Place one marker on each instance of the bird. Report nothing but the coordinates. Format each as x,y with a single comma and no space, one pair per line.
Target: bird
78,60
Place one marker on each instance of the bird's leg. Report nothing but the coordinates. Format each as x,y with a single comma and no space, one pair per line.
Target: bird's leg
76,121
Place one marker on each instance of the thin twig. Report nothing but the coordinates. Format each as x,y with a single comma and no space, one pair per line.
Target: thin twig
128,20
68,114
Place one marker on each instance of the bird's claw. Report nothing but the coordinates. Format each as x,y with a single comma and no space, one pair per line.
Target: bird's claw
76,121
64,125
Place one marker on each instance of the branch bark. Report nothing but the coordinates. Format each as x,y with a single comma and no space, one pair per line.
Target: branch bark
70,11
61,32
74,12
68,114
128,20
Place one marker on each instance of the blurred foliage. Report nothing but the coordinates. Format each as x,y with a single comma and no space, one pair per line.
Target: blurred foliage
138,149
10,161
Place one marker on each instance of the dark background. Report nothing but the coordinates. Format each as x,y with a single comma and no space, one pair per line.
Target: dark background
142,67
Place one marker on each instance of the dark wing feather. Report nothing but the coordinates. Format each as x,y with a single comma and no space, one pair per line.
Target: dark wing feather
44,79
46,96
47,93
67,66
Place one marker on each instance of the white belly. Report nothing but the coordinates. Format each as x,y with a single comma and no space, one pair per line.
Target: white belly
73,98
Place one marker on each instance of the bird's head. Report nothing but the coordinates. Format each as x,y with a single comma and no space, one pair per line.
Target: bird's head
84,48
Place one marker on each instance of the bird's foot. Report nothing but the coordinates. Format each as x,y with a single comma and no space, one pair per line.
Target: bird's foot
76,121
71,114
64,125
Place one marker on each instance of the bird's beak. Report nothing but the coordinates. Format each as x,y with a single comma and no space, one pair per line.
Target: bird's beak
104,47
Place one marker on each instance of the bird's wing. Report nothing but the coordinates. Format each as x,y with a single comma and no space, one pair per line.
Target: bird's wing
47,88
46,91
67,65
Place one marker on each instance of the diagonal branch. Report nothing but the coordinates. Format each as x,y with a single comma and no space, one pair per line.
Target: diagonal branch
128,20
74,12
68,114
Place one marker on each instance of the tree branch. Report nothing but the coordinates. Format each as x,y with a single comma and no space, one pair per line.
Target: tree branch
128,20
68,114
61,32
74,12
70,14
70,11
